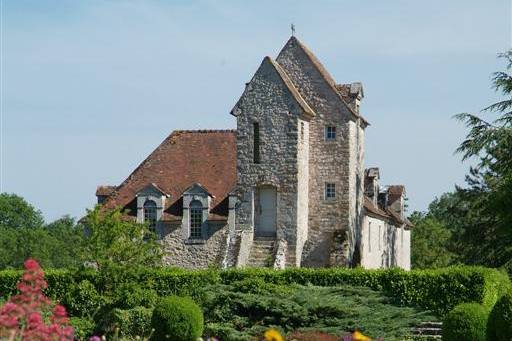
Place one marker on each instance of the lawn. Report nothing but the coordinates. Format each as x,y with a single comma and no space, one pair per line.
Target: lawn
247,308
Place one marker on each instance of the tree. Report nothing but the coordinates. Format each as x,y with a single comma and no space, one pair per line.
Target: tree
15,212
489,191
113,240
430,242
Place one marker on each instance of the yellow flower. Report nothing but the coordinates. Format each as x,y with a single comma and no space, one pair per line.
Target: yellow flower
358,336
273,335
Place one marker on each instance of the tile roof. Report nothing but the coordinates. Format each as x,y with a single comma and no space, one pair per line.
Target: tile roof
387,214
185,157
325,74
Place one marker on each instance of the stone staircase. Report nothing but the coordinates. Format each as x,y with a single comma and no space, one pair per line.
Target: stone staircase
429,330
262,252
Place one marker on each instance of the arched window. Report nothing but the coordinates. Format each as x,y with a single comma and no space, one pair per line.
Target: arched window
196,219
150,213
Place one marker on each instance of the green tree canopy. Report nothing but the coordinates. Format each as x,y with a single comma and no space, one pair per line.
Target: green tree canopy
15,212
430,242
113,240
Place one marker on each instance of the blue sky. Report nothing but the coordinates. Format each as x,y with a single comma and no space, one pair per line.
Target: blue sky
90,88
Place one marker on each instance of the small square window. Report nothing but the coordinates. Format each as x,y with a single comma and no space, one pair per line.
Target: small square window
330,133
330,191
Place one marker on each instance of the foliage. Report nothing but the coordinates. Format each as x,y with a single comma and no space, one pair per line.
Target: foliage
112,240
234,315
129,322
466,322
24,235
439,290
499,327
429,243
83,299
16,213
83,327
177,318
30,315
132,295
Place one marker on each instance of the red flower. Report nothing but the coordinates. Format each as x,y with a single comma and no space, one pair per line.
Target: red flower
28,308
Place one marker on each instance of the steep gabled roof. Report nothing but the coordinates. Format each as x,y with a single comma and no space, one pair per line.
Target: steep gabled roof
184,158
288,84
323,72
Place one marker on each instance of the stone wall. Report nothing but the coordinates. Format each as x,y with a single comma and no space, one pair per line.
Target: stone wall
267,101
329,160
302,193
178,252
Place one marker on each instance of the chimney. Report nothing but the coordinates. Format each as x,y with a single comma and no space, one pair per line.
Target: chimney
371,184
103,192
352,94
396,199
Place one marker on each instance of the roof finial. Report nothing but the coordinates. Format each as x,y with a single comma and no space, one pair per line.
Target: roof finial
293,30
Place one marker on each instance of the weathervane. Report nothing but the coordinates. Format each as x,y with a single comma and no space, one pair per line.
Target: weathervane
293,29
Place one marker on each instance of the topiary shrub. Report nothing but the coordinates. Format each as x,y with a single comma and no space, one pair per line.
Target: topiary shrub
467,321
177,319
499,326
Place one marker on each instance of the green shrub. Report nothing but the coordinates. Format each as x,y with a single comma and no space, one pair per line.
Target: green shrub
177,319
467,321
438,290
130,322
499,326
83,299
131,295
83,327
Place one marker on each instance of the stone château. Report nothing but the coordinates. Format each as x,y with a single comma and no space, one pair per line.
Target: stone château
287,188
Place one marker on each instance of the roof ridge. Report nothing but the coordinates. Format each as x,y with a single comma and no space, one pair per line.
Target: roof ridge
324,73
203,131
291,87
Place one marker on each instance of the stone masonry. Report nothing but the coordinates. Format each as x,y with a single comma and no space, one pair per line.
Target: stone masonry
286,189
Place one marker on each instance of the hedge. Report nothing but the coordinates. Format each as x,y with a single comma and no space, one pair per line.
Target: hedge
466,322
438,290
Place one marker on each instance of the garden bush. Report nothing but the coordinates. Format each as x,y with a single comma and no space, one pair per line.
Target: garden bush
130,322
83,299
439,290
177,319
131,295
466,322
499,326
83,327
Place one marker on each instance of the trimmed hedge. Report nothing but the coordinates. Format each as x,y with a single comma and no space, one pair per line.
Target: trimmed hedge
177,319
466,322
438,290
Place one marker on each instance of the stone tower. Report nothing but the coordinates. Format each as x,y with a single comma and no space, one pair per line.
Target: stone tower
300,146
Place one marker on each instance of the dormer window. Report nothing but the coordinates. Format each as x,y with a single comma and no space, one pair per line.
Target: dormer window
150,213
196,206
150,205
196,219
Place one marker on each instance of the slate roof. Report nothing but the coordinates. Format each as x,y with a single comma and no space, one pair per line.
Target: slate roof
185,157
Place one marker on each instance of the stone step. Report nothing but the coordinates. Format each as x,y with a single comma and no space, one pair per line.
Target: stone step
262,252
427,331
431,324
